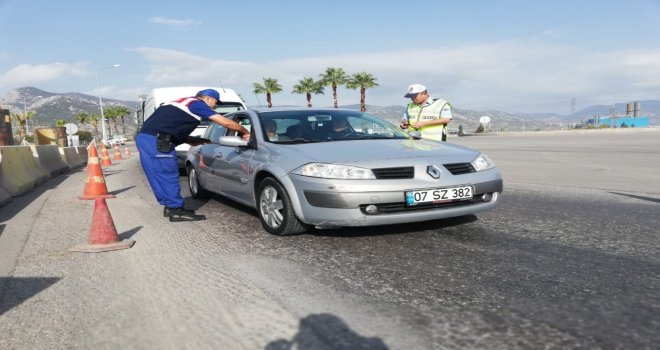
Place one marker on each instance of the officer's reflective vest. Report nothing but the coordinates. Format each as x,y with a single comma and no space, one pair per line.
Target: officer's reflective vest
432,111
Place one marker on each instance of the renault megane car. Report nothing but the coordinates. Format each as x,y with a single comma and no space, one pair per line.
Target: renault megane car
330,168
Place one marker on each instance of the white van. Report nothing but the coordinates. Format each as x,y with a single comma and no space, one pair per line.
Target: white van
229,102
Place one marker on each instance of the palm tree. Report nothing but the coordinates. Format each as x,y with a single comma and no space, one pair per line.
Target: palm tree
334,77
270,86
122,112
94,119
362,80
81,118
21,120
112,114
308,87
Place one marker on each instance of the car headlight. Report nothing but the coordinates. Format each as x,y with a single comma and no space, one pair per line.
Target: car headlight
483,162
334,171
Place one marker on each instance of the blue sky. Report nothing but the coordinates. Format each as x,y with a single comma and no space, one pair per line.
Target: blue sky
514,56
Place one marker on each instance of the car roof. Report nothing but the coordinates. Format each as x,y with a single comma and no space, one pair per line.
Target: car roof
289,109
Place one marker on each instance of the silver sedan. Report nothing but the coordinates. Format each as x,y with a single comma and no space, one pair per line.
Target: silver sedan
330,168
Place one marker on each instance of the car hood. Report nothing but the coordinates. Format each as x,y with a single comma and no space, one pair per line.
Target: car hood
367,151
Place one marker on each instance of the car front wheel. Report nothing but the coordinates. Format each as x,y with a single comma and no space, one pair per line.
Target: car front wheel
275,210
196,189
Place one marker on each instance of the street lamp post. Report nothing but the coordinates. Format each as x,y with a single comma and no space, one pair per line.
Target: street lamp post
98,84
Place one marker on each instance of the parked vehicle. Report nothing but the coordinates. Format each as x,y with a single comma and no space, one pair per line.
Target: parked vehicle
308,174
229,102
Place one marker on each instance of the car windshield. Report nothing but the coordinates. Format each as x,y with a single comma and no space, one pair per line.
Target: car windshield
325,126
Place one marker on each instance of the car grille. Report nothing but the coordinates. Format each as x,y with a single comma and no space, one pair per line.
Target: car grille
388,208
459,168
394,173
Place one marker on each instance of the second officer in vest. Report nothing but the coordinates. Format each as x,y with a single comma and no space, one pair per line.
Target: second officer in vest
167,127
426,117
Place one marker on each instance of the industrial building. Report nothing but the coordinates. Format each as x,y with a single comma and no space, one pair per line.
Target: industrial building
632,119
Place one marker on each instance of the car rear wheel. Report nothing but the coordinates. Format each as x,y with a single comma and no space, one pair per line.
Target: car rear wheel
196,189
275,210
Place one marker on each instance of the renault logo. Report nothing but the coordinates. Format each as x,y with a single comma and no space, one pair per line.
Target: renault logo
434,171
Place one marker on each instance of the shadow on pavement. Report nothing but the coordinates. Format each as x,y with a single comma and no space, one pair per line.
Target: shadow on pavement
649,199
16,204
326,331
116,192
14,291
128,234
394,229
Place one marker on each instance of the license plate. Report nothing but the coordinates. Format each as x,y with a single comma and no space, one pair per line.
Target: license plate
438,195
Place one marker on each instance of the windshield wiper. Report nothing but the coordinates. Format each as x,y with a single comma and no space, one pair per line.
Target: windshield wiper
297,140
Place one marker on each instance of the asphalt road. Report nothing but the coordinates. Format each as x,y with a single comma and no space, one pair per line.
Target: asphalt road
569,259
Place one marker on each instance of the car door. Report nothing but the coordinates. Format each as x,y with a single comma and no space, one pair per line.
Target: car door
231,165
205,159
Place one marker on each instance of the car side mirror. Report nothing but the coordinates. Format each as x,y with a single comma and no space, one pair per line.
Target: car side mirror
232,141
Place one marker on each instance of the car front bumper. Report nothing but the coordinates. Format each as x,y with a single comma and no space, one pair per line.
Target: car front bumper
327,203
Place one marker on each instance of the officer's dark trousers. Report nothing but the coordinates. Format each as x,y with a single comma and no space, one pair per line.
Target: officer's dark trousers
161,170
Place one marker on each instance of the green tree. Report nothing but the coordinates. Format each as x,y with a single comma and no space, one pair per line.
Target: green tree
60,123
81,118
334,77
85,136
362,81
111,116
123,112
21,119
269,87
117,112
94,119
308,86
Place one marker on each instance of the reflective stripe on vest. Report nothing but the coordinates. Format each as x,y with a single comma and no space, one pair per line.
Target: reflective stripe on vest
184,105
418,113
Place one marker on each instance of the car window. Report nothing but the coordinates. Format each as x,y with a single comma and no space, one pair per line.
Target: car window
241,119
214,132
329,126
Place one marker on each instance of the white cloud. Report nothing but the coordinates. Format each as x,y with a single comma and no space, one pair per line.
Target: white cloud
507,75
526,76
179,23
27,74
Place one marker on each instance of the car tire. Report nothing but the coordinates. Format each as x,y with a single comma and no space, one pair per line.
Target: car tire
196,189
275,210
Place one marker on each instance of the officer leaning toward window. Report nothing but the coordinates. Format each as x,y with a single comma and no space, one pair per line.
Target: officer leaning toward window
167,127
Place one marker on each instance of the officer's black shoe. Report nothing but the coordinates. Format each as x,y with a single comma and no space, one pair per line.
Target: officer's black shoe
166,211
181,214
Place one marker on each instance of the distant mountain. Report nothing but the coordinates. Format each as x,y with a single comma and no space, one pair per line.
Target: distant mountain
469,119
649,108
50,106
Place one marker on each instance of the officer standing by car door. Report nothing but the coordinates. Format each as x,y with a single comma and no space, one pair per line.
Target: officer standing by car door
168,126
426,117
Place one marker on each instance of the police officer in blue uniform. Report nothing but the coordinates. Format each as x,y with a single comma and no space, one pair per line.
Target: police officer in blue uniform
168,126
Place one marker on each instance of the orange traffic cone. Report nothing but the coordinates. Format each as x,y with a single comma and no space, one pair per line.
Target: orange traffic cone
89,148
95,182
117,152
105,157
127,153
103,235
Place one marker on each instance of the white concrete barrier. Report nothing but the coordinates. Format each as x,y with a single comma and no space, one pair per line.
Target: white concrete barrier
83,154
4,196
19,173
48,159
70,156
